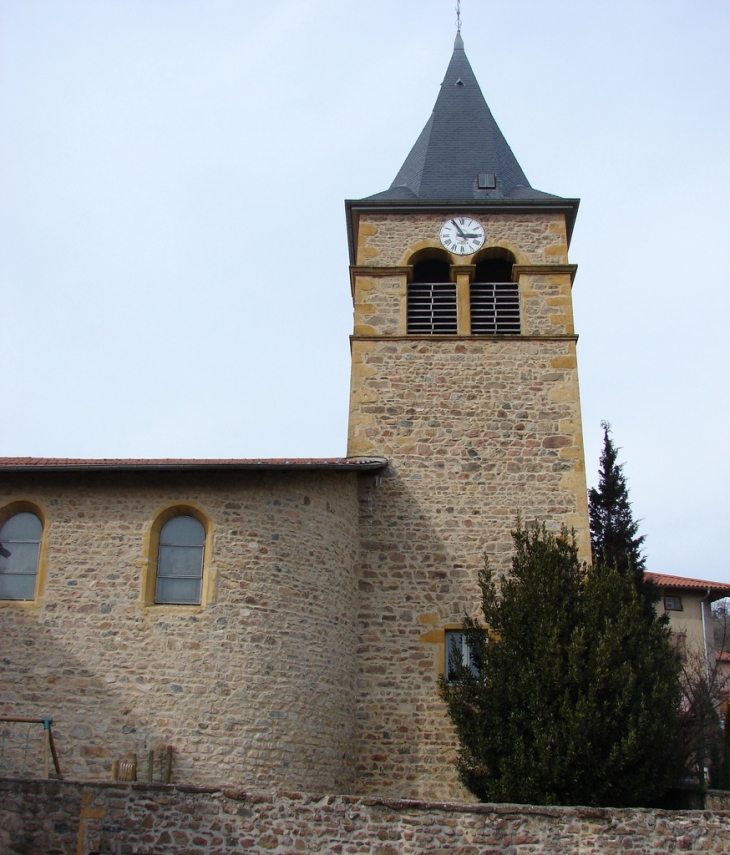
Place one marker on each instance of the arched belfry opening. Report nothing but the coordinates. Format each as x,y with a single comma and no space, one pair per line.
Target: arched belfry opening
431,294
494,264
494,299
431,265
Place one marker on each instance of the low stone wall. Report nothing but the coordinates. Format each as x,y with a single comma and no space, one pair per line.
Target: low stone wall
76,818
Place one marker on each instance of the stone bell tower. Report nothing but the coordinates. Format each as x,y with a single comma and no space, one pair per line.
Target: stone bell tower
464,376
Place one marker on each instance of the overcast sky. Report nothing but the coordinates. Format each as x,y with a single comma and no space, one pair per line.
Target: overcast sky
172,236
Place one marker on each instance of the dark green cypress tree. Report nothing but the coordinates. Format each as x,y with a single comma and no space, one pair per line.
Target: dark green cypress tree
627,715
576,697
615,540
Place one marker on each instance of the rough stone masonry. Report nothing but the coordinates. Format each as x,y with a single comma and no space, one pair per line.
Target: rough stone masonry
70,818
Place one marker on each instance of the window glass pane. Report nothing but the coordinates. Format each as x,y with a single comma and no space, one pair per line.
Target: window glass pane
25,526
20,546
17,587
454,653
177,591
183,531
19,557
458,653
180,561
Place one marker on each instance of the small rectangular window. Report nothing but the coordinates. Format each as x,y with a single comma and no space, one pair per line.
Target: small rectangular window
673,604
432,308
458,653
495,308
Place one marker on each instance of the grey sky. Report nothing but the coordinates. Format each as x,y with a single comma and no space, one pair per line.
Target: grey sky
173,254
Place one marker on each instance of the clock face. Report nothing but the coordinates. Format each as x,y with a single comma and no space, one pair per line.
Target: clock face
462,235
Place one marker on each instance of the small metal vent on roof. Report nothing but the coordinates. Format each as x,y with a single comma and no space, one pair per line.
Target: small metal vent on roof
459,82
486,181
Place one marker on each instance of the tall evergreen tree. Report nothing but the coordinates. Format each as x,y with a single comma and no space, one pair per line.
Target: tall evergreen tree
575,700
615,540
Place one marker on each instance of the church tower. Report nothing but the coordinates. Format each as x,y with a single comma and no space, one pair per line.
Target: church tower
464,376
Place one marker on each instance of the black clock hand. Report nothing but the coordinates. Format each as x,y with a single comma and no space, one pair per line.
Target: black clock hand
458,229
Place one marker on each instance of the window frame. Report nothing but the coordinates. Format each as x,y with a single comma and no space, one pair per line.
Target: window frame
168,547
450,634
7,512
152,556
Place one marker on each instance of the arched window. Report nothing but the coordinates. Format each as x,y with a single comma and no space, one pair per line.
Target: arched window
494,297
431,298
20,546
180,562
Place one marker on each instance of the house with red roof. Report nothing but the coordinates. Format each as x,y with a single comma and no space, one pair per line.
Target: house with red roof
688,605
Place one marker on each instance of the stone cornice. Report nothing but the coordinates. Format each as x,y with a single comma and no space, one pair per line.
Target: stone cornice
360,270
544,270
517,271
456,337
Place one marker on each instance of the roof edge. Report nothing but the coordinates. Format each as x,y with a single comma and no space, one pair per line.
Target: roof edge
663,580
27,465
440,204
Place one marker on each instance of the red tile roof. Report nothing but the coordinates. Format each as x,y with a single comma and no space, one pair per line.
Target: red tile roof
718,589
72,464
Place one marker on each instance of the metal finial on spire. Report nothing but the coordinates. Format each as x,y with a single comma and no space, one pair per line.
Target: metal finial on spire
458,17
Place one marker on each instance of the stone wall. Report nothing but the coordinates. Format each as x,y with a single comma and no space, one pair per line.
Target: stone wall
257,686
476,436
64,818
389,239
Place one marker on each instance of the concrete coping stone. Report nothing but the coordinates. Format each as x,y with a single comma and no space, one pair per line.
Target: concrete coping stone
324,800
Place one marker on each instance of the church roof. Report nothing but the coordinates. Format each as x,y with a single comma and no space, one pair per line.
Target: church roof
461,141
72,464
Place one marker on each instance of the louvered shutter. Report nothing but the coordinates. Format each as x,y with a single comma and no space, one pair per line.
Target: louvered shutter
495,308
432,308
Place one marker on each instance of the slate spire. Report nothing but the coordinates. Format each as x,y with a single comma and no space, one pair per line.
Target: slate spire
461,141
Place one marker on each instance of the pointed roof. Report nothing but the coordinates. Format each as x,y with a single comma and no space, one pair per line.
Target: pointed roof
461,140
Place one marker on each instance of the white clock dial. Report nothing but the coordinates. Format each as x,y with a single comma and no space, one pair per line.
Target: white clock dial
462,235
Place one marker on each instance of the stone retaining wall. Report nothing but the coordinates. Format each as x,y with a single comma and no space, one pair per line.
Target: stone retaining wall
74,818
